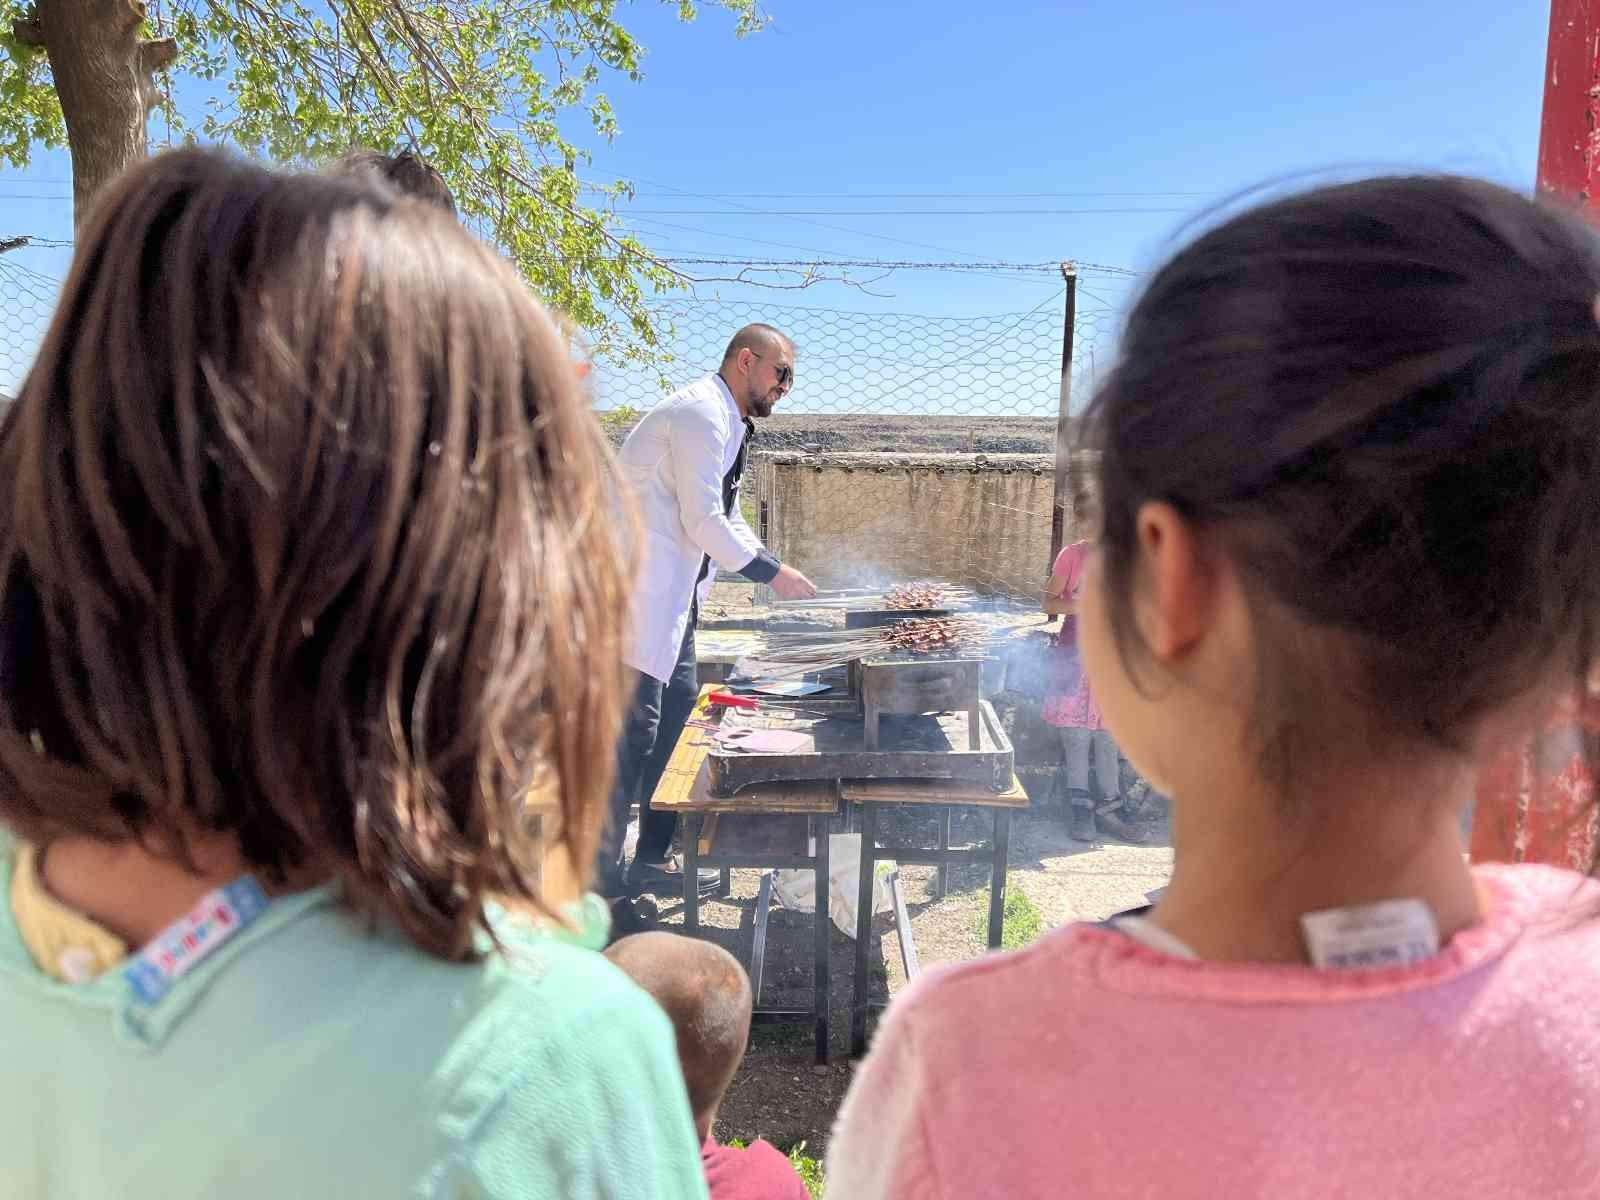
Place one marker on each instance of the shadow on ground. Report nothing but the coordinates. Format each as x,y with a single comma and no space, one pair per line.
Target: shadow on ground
778,1094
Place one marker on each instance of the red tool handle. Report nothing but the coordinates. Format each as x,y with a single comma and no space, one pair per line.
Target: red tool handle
729,700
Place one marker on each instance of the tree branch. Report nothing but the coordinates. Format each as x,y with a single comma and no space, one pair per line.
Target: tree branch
28,32
157,55
379,68
132,13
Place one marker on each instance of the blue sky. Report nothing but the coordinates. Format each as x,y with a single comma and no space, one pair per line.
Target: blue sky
1017,131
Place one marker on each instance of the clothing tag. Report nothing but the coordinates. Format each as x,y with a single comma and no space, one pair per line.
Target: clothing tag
1393,933
190,939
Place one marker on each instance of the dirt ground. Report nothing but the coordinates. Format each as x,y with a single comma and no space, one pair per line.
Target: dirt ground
778,1094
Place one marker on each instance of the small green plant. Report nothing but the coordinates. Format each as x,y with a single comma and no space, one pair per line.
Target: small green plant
1021,924
808,1168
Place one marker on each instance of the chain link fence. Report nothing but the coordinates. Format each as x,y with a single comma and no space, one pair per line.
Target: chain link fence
27,299
911,446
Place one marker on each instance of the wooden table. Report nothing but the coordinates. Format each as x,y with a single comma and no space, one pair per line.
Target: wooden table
766,827
869,796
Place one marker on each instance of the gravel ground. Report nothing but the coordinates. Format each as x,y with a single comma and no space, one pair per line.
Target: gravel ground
778,1094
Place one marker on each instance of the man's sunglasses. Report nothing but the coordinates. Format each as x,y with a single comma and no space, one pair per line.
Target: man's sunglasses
785,374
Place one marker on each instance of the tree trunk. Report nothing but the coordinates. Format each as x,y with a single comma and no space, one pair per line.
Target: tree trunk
104,74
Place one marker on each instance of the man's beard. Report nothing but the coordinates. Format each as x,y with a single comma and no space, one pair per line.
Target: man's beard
760,404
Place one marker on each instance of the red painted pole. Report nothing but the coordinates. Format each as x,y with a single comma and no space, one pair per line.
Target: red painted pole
1536,804
1569,132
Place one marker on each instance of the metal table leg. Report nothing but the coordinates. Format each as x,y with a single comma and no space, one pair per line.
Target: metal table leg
944,844
691,873
859,1000
820,983
997,876
902,927
758,943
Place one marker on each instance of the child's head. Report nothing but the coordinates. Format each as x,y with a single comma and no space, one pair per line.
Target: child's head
1349,456
706,994
407,172
304,542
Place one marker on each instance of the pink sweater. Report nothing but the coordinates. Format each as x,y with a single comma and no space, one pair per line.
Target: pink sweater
1090,1065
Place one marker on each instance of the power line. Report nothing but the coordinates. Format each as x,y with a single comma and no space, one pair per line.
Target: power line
916,195
881,237
735,237
892,212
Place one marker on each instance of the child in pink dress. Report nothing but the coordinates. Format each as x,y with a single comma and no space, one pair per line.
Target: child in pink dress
1092,771
1330,413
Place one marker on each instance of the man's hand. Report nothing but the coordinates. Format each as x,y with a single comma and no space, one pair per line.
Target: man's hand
789,584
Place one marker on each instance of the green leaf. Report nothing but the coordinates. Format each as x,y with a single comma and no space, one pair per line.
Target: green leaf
485,90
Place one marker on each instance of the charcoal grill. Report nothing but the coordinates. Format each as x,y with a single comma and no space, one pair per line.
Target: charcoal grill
906,685
968,746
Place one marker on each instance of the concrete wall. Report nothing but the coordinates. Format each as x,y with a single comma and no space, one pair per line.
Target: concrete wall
857,520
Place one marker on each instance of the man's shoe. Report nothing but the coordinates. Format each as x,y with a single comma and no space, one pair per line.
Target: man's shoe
1117,826
668,877
630,916
1080,823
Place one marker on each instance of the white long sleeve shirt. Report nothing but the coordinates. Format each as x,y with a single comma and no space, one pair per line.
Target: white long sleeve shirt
674,463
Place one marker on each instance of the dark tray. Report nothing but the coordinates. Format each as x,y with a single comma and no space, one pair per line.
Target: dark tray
871,618
927,746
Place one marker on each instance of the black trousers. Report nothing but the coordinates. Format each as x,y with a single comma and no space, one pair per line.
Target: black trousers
651,730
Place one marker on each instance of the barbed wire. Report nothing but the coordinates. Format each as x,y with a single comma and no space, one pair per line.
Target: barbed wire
18,241
1027,268
913,445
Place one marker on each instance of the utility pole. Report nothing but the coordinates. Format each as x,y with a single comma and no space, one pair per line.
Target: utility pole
1569,130
1064,438
1520,812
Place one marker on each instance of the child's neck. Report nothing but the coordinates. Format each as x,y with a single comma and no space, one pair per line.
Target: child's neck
1246,870
130,891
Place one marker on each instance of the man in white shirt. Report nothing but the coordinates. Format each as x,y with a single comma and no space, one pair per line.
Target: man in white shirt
683,463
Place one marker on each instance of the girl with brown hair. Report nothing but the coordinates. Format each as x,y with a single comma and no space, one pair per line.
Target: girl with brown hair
305,574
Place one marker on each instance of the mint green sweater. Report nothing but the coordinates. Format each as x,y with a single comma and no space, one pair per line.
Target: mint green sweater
308,1057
